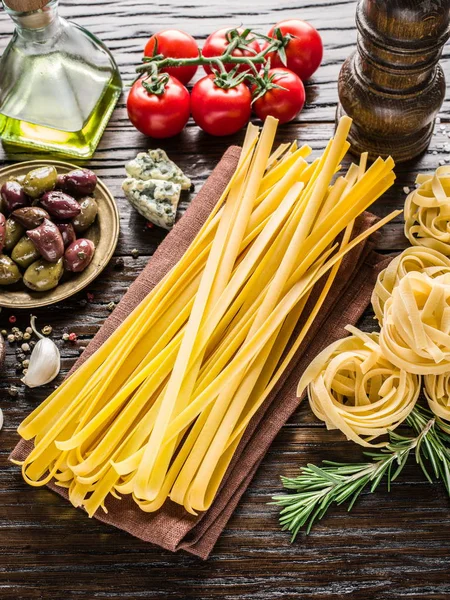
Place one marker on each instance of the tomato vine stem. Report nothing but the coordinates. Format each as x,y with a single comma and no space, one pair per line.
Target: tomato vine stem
150,64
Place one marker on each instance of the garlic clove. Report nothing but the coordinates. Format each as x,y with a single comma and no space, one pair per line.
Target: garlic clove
45,364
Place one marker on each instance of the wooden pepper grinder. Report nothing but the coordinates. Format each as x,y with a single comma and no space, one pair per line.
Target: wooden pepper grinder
392,85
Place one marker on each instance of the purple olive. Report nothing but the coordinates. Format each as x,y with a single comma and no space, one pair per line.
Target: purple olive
67,232
2,231
13,196
47,240
80,182
78,255
60,205
30,216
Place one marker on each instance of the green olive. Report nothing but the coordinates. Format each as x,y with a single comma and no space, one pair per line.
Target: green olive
41,180
89,210
14,231
43,275
24,252
9,271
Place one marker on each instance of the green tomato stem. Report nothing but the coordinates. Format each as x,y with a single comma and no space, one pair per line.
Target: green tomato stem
151,64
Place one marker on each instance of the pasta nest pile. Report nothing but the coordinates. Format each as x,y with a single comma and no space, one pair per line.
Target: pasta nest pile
416,327
417,258
354,388
427,211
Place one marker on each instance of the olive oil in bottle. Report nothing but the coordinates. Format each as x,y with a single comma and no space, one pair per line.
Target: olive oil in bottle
58,83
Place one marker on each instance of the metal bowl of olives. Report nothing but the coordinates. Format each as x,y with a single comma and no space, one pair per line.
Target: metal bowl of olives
59,227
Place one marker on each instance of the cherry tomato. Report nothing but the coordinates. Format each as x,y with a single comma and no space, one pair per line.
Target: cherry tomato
285,104
173,43
220,111
217,43
304,52
159,115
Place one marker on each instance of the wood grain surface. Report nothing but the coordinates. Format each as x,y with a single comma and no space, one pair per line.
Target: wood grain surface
391,546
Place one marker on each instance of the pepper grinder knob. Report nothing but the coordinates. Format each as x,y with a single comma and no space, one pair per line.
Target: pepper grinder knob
392,85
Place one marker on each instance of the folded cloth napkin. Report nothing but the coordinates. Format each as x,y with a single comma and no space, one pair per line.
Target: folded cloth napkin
172,527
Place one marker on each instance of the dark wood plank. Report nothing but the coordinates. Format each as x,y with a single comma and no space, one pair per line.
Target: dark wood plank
391,546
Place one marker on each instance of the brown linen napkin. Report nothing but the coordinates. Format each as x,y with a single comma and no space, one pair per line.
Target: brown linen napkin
171,527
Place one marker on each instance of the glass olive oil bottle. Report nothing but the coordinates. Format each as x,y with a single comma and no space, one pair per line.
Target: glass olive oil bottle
58,83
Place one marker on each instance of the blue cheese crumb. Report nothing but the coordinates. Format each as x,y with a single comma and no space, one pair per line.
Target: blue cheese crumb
155,164
154,199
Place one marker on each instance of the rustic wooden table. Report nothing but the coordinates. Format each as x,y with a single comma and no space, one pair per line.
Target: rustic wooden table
391,546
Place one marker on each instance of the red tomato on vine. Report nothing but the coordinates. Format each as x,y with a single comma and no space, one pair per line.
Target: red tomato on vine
172,43
283,98
217,43
218,110
303,51
162,114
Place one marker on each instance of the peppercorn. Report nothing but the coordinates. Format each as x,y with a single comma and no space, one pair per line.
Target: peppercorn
149,225
13,391
4,332
29,330
25,347
72,337
15,330
111,306
18,366
46,330
65,337
90,297
11,338
32,344
26,336
21,356
135,253
25,363
18,336
12,319
119,263
24,371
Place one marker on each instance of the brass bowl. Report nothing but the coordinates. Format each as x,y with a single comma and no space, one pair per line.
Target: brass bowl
104,232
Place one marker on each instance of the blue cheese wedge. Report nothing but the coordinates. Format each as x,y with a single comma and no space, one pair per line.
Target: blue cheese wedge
155,164
154,199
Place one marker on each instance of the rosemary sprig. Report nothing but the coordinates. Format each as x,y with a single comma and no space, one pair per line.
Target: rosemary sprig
317,488
436,446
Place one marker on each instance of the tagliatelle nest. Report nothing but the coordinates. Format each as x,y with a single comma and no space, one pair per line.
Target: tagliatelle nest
427,211
354,388
417,258
416,330
437,391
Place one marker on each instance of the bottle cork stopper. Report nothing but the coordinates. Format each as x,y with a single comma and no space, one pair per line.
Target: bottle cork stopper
25,5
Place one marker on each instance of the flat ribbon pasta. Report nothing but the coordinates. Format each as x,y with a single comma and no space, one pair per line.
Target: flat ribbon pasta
417,258
437,392
427,211
416,331
354,388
